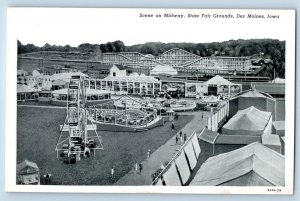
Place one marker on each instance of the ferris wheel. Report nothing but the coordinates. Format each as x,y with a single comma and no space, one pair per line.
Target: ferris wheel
78,135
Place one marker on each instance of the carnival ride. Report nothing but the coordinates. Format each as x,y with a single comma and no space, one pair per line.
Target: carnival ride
125,112
173,104
77,138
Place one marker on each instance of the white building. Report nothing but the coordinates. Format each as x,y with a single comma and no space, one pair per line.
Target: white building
134,84
116,72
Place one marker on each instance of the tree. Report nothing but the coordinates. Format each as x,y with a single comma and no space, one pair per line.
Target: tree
111,47
119,46
86,47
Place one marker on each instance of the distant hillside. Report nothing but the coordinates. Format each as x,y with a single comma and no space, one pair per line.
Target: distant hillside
266,48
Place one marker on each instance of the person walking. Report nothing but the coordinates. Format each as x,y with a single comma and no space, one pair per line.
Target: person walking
176,138
141,167
172,126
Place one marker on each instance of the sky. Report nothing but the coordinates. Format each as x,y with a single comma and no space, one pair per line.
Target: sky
76,26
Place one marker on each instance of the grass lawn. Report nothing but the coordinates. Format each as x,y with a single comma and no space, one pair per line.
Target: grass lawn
38,132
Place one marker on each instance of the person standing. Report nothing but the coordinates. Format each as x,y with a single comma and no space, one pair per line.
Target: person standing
202,115
184,137
176,138
141,167
136,167
148,154
112,173
181,140
176,116
47,177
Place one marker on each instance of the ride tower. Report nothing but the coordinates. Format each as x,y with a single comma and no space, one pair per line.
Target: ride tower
78,135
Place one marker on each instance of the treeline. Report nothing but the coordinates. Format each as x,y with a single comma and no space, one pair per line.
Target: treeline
267,48
116,46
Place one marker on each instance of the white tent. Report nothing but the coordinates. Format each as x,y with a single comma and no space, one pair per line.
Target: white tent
28,173
21,72
272,141
22,88
277,80
278,128
218,80
250,121
253,94
66,76
252,165
160,69
211,99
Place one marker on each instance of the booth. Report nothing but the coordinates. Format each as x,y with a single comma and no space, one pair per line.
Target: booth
28,173
170,114
25,93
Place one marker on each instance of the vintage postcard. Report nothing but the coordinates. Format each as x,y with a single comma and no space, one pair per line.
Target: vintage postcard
197,101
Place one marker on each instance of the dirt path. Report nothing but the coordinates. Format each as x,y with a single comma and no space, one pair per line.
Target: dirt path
43,106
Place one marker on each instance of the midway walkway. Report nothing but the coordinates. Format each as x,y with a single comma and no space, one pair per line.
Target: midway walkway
164,153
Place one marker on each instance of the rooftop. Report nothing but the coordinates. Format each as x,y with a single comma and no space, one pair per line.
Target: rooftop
26,163
231,166
89,91
250,119
132,78
22,88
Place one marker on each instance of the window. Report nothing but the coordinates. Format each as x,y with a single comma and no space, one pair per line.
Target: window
64,97
92,84
94,97
98,84
103,85
130,87
124,86
116,86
